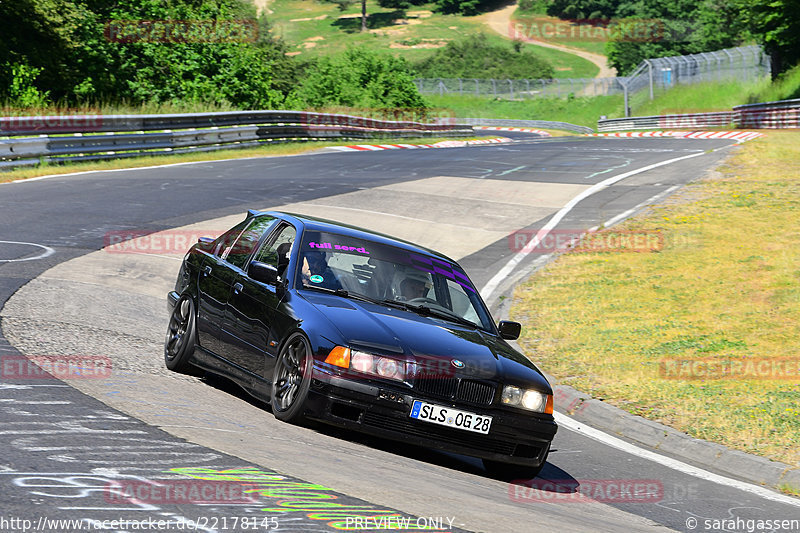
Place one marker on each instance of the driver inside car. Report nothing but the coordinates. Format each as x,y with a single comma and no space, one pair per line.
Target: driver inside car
316,271
415,285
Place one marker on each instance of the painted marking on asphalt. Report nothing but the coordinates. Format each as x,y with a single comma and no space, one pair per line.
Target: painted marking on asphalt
13,386
674,464
47,252
625,214
504,272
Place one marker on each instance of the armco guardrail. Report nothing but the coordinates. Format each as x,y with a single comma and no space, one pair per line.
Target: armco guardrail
781,114
566,126
93,137
722,119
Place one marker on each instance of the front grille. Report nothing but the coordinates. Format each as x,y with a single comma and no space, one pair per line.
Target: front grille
453,388
429,383
458,437
475,392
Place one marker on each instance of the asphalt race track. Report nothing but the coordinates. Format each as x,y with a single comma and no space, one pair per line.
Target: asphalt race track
68,448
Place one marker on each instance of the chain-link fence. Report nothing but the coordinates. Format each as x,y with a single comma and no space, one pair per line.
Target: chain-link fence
499,88
744,63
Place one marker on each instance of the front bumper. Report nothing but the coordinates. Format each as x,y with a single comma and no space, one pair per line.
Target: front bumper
515,437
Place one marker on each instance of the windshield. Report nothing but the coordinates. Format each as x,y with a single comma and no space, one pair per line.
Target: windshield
389,274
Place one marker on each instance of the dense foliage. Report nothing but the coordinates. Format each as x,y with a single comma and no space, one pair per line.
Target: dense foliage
476,57
691,26
205,51
84,50
360,77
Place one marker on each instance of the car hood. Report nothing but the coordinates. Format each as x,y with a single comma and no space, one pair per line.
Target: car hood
430,341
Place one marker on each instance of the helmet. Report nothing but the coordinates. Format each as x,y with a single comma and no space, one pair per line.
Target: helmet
418,275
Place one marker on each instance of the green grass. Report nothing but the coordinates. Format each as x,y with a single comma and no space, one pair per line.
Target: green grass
411,39
725,287
115,108
583,111
785,88
702,97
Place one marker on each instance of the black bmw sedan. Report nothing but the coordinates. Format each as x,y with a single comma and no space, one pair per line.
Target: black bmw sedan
341,325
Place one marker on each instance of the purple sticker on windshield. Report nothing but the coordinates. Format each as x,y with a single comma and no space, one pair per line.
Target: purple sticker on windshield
340,247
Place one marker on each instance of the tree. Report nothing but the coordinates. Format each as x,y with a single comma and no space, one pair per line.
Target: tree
80,52
776,25
344,4
361,77
476,57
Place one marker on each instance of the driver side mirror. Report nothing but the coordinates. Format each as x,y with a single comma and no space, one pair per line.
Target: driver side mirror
263,272
509,330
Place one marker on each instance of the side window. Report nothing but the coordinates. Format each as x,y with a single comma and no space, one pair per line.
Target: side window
248,239
275,251
224,242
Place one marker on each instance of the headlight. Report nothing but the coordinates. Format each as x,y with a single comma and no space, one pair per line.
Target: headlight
529,399
367,363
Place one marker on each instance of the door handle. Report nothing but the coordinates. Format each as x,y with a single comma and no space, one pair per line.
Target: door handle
207,270
237,288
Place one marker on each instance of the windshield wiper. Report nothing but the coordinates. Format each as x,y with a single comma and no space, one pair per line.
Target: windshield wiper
430,311
343,293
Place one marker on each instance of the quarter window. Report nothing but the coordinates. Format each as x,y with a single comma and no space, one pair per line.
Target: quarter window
275,251
248,239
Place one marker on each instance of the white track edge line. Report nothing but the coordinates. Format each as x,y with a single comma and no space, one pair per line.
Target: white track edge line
669,462
503,273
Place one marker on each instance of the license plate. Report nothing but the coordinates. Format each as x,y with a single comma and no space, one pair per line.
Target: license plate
447,416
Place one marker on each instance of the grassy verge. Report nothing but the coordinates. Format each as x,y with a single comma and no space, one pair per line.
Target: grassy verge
702,97
725,287
318,28
583,111
786,87
115,108
270,150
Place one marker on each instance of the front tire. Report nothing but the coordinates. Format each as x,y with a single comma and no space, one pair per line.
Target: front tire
180,340
292,379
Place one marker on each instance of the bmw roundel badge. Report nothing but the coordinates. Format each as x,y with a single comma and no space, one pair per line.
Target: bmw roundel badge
457,363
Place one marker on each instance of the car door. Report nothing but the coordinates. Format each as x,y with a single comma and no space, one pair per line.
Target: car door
238,257
253,304
215,279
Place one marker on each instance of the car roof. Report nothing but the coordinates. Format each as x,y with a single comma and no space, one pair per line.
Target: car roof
320,224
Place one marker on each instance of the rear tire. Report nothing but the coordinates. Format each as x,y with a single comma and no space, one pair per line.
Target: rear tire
180,340
292,379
